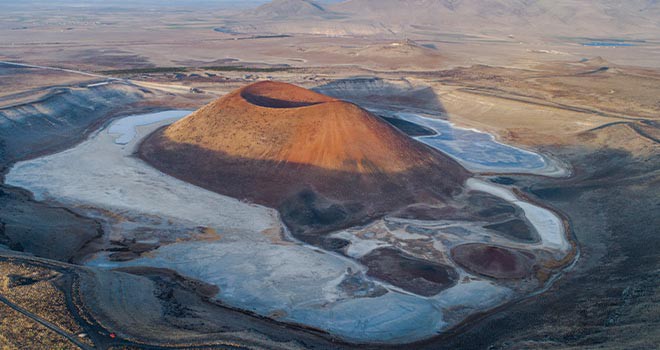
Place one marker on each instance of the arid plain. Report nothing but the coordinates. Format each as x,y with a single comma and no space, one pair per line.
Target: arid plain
100,249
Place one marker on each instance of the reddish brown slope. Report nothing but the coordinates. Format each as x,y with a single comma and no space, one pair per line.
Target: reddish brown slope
324,163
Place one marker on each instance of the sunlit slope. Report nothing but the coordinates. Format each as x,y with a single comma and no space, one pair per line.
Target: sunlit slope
302,152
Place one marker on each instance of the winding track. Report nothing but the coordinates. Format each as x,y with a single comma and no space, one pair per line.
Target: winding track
633,126
96,333
59,69
157,86
45,323
494,92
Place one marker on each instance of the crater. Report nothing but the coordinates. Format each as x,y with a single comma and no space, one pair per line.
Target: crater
264,95
492,261
412,274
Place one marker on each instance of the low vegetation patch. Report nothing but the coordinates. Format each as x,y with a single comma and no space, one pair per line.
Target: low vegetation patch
161,70
247,69
145,70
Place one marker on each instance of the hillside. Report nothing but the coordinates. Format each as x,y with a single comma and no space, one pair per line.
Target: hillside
323,162
288,9
593,18
588,17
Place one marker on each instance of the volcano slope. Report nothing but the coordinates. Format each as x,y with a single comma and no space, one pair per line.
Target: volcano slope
322,162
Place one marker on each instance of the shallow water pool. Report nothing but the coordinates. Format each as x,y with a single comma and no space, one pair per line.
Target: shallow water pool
476,150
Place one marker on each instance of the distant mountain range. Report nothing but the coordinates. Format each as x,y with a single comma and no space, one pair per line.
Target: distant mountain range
287,9
552,17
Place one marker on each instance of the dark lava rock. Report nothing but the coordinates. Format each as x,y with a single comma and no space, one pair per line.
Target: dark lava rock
414,275
334,244
17,280
516,229
492,261
503,180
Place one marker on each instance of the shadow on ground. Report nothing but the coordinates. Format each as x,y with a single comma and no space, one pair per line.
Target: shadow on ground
372,92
